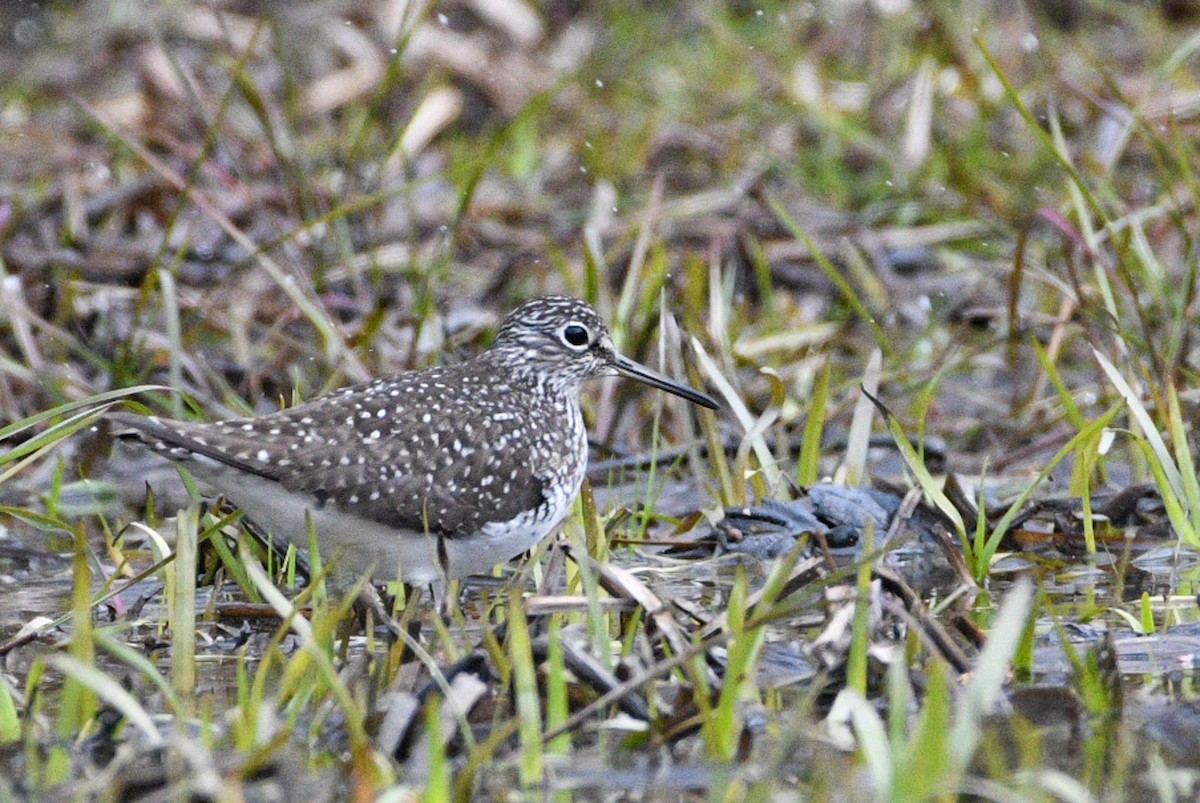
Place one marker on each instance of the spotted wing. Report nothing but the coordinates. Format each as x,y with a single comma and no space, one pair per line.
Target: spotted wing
439,451
425,453
212,445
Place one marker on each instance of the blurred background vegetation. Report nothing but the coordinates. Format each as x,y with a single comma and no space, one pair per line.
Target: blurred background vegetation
257,202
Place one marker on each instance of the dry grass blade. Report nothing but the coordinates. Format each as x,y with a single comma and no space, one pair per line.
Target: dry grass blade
400,715
331,337
624,584
543,605
991,669
437,111
744,417
853,470
466,691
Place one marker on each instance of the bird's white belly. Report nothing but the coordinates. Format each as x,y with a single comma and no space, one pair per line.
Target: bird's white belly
359,546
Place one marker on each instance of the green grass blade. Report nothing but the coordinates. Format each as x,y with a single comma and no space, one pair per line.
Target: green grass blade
1060,387
70,407
525,687
1183,452
143,666
809,468
10,720
929,486
1149,430
835,276
1018,506
1173,505
860,638
990,672
111,691
183,612
872,739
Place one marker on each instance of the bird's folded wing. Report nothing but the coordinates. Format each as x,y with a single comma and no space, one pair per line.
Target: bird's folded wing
184,440
374,484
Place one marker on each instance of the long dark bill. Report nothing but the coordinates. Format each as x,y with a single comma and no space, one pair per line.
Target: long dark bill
647,376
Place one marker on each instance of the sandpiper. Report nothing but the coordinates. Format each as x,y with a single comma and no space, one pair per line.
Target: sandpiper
428,475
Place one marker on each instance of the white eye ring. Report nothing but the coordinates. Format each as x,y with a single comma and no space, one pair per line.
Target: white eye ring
575,336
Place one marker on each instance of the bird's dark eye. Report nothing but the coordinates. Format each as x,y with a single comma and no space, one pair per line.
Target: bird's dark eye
575,335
